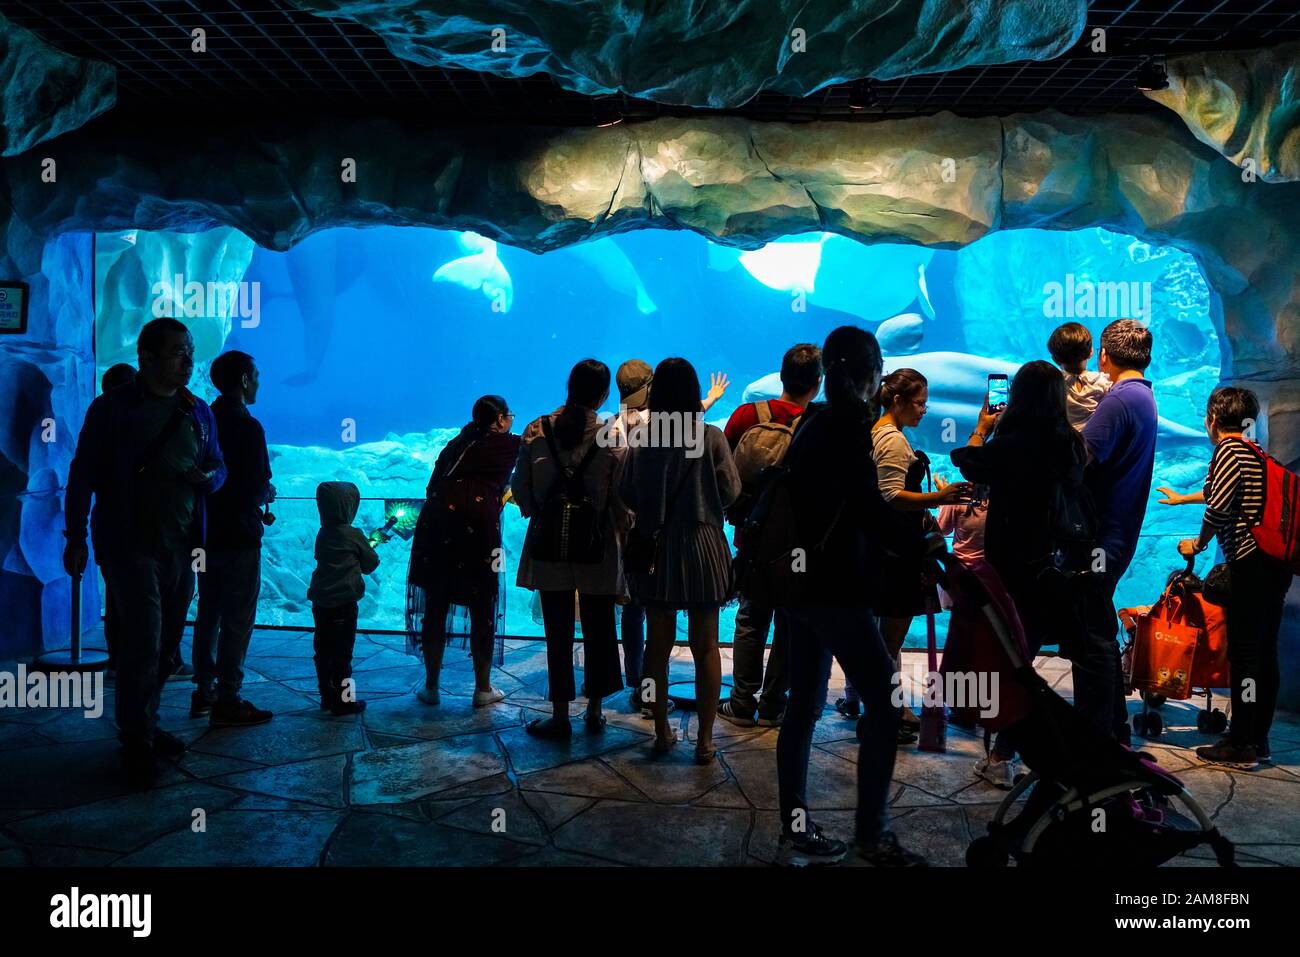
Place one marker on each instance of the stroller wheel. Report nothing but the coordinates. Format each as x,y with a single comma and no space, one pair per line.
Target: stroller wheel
1140,724
986,852
1204,720
1218,721
1153,700
1155,724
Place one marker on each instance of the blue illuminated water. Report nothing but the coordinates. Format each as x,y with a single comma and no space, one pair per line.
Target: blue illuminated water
373,345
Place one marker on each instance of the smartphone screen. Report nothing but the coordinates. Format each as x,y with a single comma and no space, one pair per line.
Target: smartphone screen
997,393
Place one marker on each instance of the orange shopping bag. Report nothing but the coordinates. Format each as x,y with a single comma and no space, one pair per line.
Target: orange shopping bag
1163,651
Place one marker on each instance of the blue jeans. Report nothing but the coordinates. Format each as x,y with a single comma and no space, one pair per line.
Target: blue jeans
851,636
753,689
633,633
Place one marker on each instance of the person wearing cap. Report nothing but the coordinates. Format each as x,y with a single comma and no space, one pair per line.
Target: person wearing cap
633,379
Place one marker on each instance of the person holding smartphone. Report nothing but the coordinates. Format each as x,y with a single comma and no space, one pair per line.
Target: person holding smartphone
901,472
1022,454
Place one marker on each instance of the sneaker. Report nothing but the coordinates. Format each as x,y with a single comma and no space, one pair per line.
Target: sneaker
201,702
812,849
771,720
1225,752
430,696
484,698
889,853
347,707
237,714
1264,752
727,711
999,772
850,709
167,745
648,714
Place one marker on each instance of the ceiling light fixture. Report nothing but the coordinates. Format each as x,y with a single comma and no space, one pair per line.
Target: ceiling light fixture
1151,75
862,95
606,112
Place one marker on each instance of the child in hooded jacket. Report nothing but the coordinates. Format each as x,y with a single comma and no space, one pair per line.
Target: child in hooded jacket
343,555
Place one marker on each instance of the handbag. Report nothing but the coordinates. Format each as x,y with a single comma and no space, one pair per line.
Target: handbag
641,550
1217,587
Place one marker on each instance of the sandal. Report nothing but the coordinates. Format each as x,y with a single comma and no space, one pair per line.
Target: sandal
705,755
662,746
550,729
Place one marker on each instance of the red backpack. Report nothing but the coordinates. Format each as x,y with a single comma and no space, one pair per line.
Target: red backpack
1278,533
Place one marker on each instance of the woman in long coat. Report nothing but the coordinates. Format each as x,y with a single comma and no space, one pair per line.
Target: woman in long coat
456,554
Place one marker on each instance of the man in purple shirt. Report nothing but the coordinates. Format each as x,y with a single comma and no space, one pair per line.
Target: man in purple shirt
1121,440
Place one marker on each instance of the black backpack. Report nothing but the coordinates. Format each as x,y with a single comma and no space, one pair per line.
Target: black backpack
763,570
1072,523
568,526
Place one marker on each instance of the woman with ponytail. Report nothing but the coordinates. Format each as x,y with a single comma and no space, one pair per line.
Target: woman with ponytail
573,441
904,397
838,508
455,553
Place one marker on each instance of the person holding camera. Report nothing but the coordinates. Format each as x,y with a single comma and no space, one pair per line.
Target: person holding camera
1027,456
229,586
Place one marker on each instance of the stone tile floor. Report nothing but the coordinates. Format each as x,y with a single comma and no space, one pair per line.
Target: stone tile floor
405,784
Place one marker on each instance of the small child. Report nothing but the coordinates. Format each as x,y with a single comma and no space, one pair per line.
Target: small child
965,523
343,555
1071,348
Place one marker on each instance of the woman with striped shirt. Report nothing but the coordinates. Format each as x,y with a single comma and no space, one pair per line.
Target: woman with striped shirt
1234,503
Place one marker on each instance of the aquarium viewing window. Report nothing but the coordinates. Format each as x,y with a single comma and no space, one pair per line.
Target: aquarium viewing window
373,345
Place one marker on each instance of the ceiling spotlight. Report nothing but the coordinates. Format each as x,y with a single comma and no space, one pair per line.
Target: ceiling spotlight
605,111
862,95
1151,75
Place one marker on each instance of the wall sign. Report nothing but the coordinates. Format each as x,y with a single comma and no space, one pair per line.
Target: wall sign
13,307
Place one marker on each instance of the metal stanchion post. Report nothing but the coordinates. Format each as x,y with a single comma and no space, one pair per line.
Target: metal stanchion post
73,659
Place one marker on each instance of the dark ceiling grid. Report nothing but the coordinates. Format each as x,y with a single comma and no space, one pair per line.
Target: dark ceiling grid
271,43
214,43
269,50
112,9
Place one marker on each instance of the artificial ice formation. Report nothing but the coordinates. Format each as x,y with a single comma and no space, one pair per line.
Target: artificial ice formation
717,55
46,92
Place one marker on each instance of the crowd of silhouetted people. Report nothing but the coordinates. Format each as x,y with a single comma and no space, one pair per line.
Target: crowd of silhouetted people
627,530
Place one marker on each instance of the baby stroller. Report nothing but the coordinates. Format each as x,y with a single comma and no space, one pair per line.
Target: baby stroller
1192,653
1088,799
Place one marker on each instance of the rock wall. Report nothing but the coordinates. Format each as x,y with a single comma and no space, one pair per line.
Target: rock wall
46,382
713,54
941,181
1244,103
46,92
